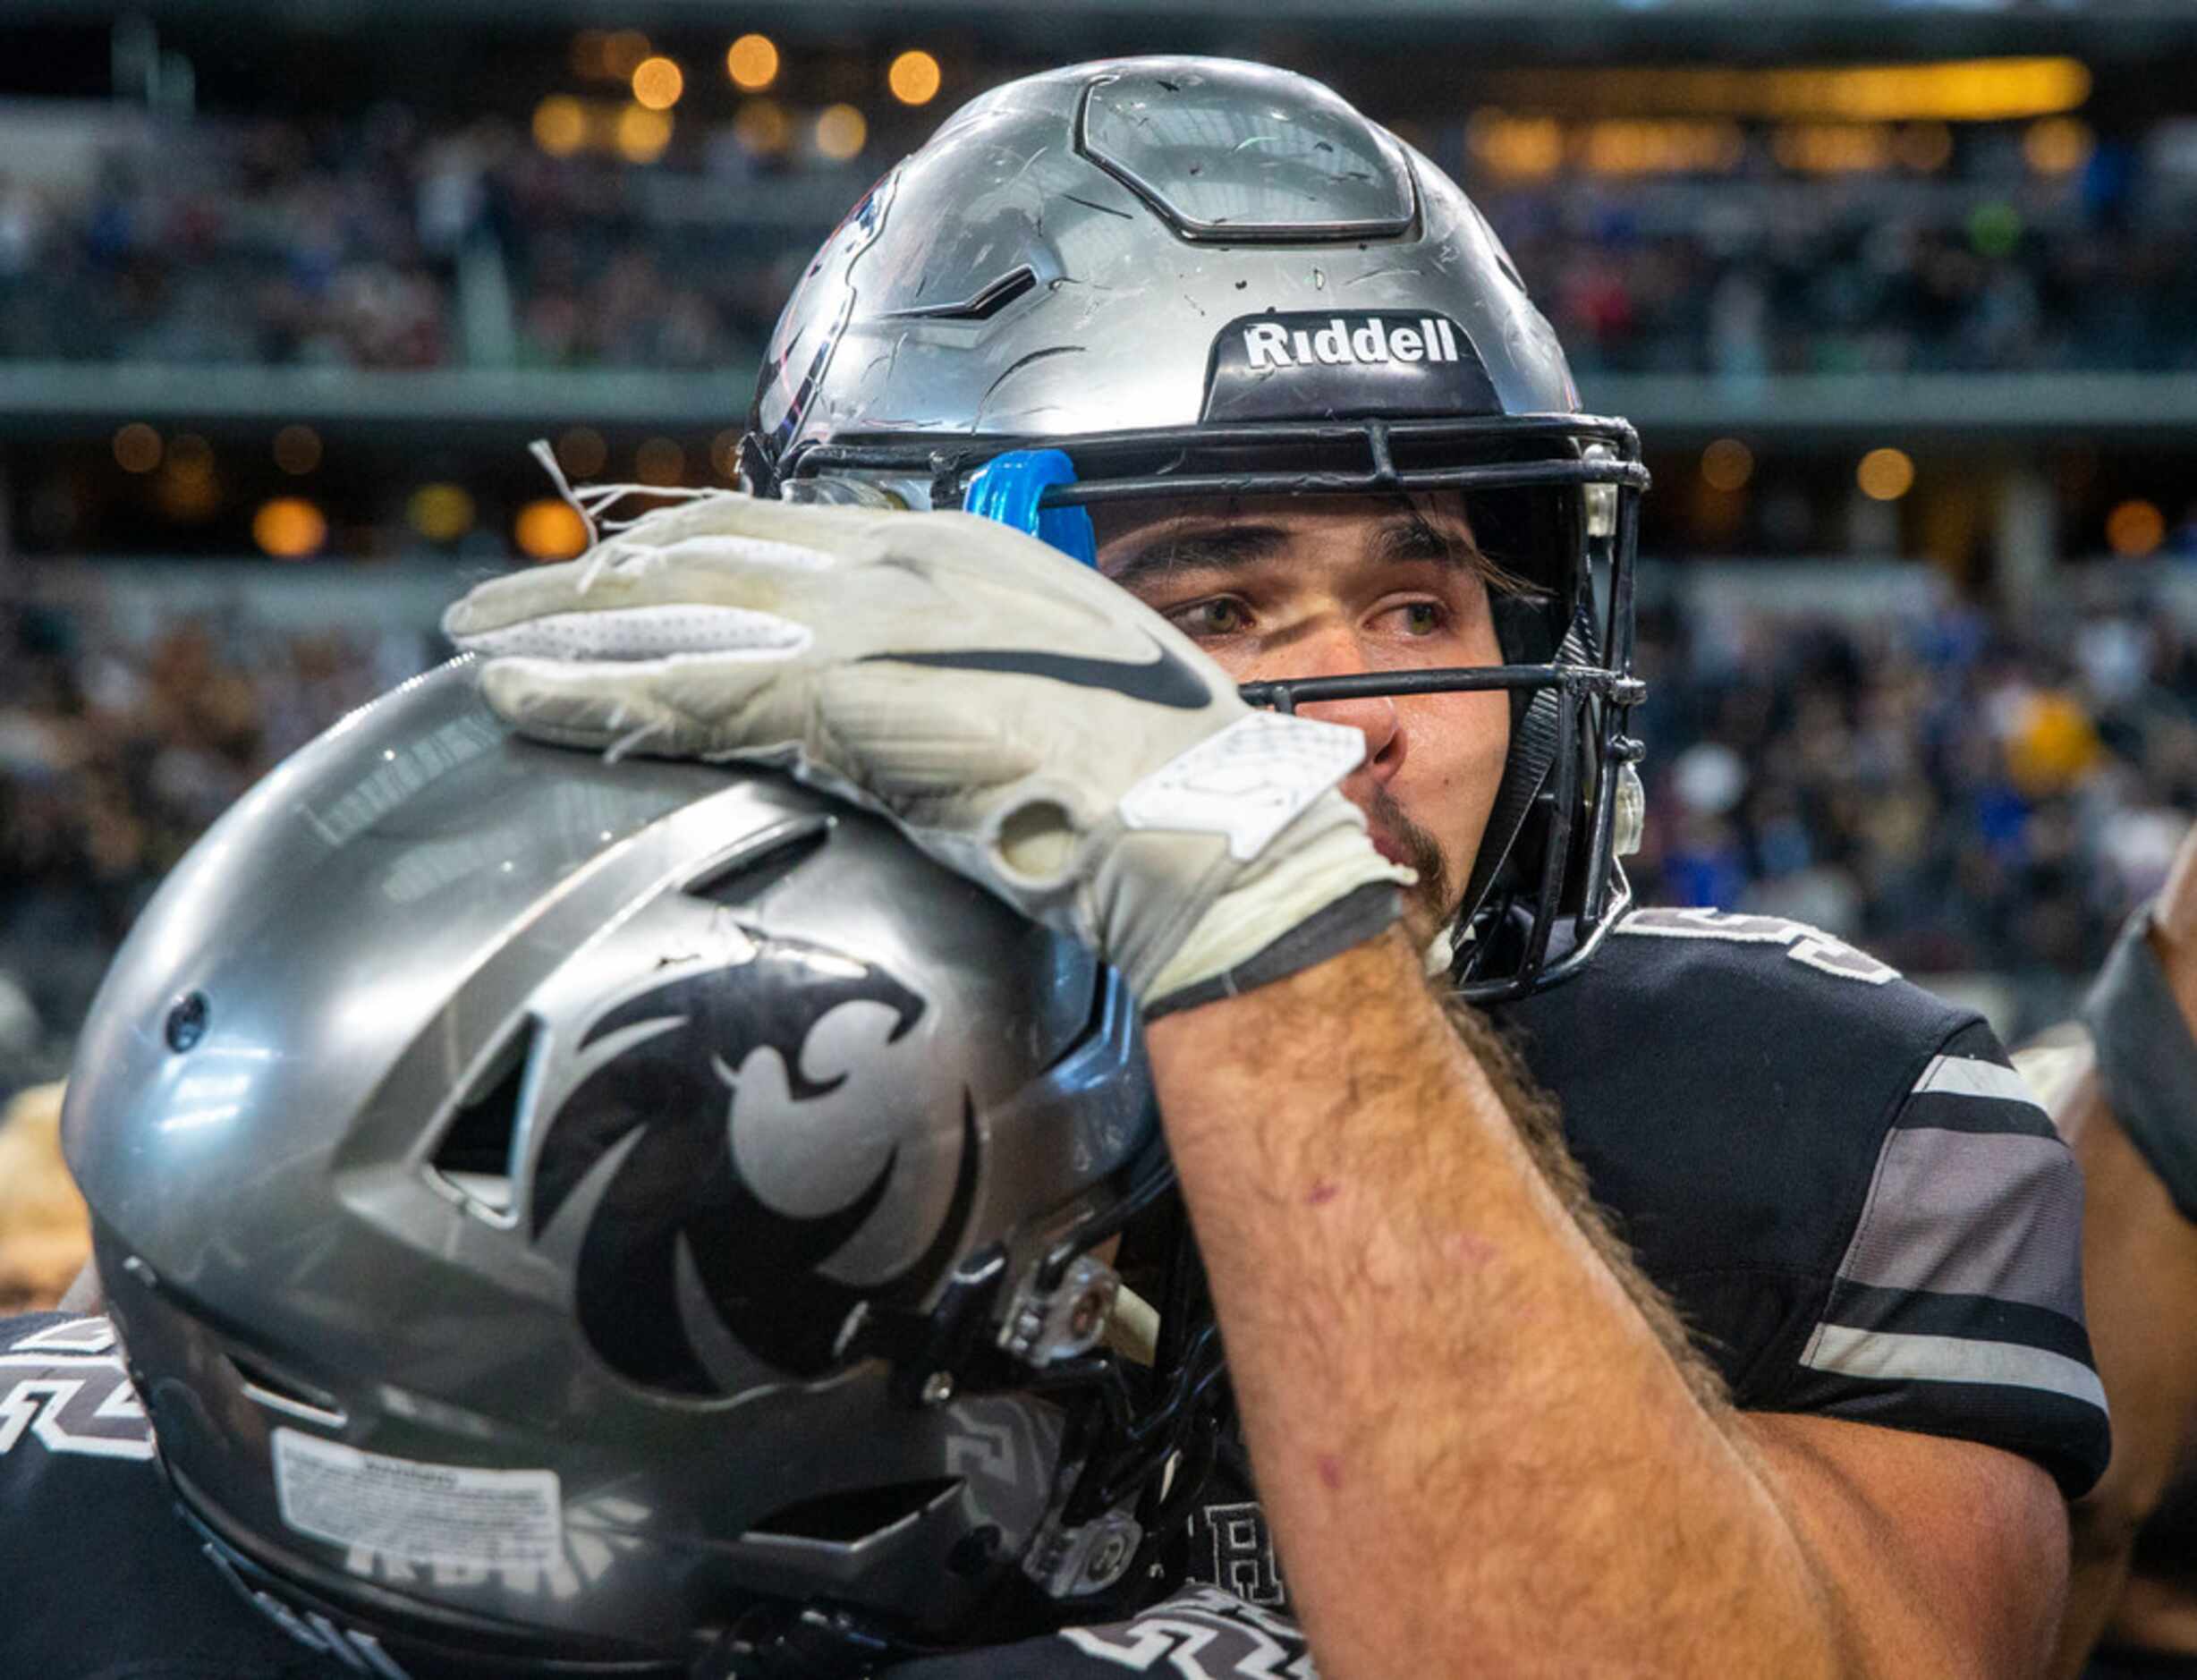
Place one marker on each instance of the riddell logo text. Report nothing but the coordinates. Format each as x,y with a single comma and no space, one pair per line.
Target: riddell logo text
1271,345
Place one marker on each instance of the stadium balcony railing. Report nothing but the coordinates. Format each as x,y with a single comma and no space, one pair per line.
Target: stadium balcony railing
39,399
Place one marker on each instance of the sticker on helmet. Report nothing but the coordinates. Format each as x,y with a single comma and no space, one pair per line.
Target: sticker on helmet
1311,366
426,1513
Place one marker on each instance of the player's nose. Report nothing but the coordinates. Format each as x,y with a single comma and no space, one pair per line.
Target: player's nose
1337,653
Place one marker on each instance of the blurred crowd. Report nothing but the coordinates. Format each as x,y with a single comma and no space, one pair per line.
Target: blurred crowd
384,242
377,245
1956,791
115,754
1999,270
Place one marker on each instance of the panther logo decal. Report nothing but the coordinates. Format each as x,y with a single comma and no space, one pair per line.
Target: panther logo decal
677,1196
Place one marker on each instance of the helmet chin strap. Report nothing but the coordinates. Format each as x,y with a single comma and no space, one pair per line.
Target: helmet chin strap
1537,734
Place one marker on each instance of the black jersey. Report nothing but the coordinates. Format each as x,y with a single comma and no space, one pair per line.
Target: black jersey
103,1578
1855,1203
1859,1208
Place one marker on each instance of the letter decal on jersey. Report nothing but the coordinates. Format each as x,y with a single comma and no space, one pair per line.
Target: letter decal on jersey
96,1416
64,1387
1803,944
75,1336
1244,1563
1202,1635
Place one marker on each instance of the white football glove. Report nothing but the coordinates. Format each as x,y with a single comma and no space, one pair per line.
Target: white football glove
1026,722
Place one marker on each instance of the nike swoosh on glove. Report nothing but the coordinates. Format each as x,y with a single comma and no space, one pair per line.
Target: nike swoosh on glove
1024,721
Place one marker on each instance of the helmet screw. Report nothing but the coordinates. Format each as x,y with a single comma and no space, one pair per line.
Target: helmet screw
1092,1308
937,1387
1109,1559
186,1024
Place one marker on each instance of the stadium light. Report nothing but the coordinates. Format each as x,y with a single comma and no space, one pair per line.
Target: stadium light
659,461
137,447
753,62
1834,148
582,453
1956,91
2057,146
642,134
560,125
913,77
1621,147
289,528
840,132
441,513
622,52
1522,148
657,83
1925,147
1884,475
2135,529
1728,464
763,127
187,488
550,530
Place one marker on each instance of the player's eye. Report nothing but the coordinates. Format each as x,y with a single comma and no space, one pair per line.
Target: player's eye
1223,616
1419,618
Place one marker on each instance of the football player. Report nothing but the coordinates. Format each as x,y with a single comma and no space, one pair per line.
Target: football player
1268,388
2124,1092
1243,391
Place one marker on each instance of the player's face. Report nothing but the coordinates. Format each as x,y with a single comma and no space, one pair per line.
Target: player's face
1290,587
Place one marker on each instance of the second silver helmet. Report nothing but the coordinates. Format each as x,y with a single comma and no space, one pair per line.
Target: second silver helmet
585,1214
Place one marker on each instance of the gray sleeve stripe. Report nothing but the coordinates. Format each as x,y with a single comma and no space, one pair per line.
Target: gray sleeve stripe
1882,1356
1971,1076
1996,1214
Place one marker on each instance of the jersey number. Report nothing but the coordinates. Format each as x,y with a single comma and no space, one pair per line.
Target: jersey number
1803,943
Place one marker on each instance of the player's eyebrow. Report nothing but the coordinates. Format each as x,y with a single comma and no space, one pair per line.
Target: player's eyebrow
1207,549
1410,535
1405,535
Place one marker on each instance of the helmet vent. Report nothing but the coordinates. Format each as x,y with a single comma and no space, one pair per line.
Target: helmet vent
474,1158
854,1517
286,1396
743,878
980,306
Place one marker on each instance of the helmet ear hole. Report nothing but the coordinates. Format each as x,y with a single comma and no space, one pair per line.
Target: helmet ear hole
1036,840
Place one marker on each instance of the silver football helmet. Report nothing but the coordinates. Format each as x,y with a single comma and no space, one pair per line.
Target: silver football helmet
1180,277
629,1217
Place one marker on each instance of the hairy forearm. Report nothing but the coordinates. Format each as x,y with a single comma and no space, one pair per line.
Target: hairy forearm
1479,1455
